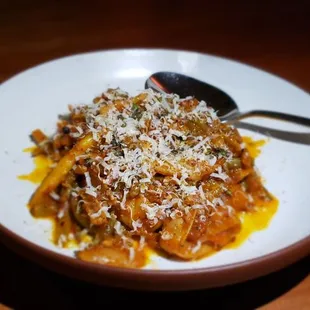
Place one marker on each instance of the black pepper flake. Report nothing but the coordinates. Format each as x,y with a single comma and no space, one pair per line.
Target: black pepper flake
114,142
66,130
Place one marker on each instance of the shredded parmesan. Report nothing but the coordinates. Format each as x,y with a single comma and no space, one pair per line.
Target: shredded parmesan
104,210
220,174
54,196
157,158
131,254
136,224
197,247
118,228
166,236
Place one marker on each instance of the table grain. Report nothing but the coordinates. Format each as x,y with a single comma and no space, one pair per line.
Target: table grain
271,35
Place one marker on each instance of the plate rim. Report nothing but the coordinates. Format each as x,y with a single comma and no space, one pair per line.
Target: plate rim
164,280
157,49
195,278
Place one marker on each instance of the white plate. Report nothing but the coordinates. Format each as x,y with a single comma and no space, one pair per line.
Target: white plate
34,99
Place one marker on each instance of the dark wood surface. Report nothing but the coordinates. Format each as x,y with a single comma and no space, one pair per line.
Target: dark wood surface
273,35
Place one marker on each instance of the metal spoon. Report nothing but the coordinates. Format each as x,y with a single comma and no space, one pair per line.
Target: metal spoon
226,107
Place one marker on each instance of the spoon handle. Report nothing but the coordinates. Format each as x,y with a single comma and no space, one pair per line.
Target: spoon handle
296,137
276,115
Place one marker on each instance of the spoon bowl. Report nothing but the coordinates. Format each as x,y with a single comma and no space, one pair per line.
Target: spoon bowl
226,108
183,85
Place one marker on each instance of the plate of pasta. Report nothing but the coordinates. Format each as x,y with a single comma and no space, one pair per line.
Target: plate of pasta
108,182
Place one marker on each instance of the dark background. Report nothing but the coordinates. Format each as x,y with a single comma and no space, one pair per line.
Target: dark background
272,35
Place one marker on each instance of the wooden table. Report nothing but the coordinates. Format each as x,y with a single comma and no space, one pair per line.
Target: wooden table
273,36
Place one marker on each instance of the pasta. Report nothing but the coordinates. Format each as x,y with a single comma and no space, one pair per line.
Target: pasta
149,172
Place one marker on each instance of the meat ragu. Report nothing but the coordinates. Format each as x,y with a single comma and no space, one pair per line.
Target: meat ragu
149,172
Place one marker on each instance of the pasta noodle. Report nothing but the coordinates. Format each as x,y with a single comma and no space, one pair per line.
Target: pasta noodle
152,171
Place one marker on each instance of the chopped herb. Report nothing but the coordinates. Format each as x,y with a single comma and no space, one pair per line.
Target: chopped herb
235,163
223,152
228,192
135,107
64,117
136,111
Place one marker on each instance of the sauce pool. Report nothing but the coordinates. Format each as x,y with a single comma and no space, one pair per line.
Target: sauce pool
255,221
260,219
42,167
254,146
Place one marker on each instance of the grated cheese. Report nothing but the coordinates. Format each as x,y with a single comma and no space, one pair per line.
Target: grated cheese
90,189
119,229
136,224
54,196
220,174
131,254
166,235
104,210
197,247
148,144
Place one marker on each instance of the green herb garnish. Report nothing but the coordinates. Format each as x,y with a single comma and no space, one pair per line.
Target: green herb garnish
136,111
